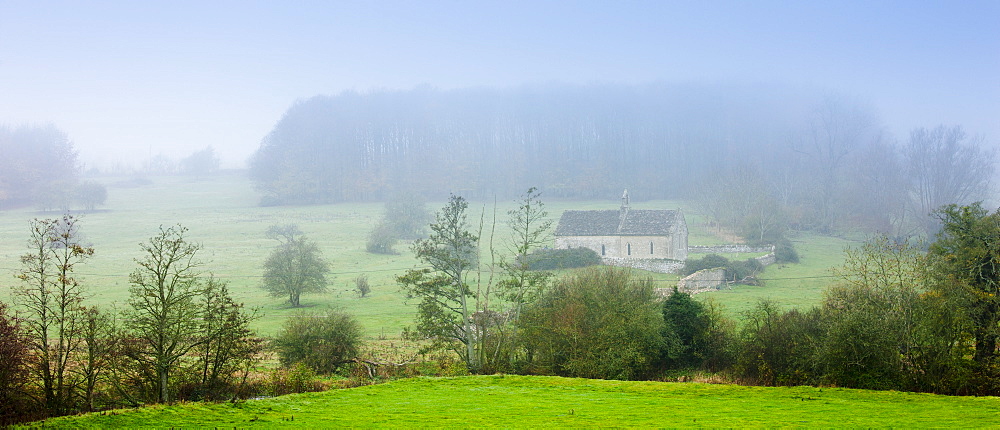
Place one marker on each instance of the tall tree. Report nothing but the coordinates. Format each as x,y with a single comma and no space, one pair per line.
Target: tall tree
945,167
295,267
966,259
99,334
164,314
531,229
838,128
447,303
52,297
229,347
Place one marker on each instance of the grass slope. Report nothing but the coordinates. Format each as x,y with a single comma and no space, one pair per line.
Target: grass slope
522,401
798,285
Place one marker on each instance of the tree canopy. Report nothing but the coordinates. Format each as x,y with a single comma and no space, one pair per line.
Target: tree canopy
38,165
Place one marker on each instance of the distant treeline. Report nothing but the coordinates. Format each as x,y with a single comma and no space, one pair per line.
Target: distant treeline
758,158
571,141
40,167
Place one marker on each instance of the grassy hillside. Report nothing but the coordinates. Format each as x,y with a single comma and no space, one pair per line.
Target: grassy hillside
798,285
520,401
222,215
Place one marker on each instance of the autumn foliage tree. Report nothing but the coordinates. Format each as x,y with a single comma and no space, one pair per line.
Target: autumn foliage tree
14,373
52,297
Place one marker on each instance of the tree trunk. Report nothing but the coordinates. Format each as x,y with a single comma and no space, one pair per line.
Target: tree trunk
164,378
986,337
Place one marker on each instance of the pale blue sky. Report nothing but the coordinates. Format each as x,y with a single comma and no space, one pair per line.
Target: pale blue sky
126,79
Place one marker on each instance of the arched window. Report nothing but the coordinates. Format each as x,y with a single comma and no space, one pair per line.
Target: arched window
650,248
628,247
602,250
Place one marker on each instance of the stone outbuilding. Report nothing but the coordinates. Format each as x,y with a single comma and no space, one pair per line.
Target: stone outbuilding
625,233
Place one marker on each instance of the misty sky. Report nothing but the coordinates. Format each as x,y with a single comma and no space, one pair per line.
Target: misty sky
130,79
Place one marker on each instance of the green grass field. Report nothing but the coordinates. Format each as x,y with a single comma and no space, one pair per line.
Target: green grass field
524,401
222,214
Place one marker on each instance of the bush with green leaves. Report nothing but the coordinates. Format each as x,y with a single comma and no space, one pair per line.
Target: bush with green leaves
553,259
697,335
603,323
784,252
361,286
91,194
778,347
322,342
405,217
381,239
710,261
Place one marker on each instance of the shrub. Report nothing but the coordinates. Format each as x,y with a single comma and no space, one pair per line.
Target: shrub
381,239
778,347
697,334
91,194
601,324
744,271
552,259
362,286
297,379
709,261
322,342
407,216
784,252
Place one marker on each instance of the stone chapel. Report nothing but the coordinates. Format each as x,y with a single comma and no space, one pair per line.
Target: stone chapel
625,233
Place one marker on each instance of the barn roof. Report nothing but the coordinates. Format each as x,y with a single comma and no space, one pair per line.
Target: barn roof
637,222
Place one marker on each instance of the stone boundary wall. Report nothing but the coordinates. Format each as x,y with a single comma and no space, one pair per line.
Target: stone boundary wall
664,265
703,280
767,260
734,248
661,265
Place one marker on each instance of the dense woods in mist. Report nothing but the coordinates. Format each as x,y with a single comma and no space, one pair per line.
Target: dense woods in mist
40,167
37,165
756,158
570,141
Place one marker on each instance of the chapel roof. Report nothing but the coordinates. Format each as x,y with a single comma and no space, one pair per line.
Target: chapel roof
637,222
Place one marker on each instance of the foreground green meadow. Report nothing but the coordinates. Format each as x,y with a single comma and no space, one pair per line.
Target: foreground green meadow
222,214
526,401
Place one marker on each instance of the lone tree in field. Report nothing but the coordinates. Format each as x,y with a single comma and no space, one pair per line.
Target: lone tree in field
164,309
295,267
447,303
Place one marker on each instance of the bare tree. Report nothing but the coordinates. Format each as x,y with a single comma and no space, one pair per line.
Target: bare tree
944,166
838,128
99,334
229,346
877,195
743,201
